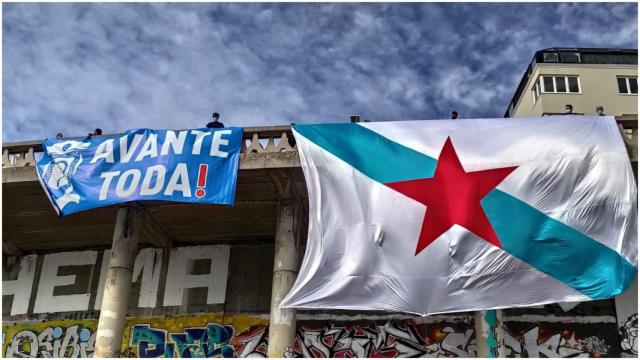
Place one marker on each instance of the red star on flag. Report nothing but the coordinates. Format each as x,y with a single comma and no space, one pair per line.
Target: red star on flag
452,196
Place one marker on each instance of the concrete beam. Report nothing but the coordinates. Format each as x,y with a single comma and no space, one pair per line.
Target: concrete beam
252,161
153,231
9,246
265,160
282,182
19,174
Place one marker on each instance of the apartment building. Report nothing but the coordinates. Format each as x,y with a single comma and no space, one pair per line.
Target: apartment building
584,78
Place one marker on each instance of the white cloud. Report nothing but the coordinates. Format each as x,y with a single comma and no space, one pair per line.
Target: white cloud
74,67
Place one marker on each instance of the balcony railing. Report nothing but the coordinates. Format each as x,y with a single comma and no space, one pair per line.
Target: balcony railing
274,147
257,141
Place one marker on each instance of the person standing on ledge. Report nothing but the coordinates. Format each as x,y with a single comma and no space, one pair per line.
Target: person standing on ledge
97,131
454,115
215,124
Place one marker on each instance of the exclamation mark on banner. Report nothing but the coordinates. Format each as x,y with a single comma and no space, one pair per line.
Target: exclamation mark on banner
202,181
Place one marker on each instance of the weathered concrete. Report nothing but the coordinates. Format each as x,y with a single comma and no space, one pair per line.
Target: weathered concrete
249,285
282,325
118,284
482,332
489,334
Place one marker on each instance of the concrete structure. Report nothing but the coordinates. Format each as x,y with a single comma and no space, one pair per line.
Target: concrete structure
282,327
113,311
206,279
584,78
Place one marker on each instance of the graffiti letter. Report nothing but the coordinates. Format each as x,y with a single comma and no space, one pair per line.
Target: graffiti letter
21,287
150,342
49,280
548,348
16,347
178,278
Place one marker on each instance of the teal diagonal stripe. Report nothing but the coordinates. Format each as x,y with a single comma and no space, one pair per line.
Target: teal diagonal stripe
525,232
557,249
374,155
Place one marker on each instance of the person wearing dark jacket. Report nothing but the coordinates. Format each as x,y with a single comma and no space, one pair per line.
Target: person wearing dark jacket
215,124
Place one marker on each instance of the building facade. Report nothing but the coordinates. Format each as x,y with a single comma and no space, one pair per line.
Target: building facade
583,78
205,278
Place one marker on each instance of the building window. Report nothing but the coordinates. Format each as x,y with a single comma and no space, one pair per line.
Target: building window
550,57
573,84
536,92
559,84
570,57
627,85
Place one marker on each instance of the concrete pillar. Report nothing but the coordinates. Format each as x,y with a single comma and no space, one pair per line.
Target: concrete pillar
489,336
282,323
115,298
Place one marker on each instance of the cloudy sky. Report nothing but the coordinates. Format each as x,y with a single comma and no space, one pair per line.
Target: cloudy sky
74,67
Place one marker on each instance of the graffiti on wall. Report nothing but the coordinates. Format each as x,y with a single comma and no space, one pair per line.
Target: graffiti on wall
629,336
387,338
390,338
243,336
196,336
246,336
210,335
58,339
557,339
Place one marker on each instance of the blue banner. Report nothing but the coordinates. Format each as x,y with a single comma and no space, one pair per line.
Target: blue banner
193,166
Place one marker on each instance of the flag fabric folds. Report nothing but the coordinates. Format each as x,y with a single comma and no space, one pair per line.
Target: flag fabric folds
440,216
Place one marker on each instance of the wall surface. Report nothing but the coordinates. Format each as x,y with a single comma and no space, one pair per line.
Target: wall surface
598,84
213,301
219,335
212,278
209,335
627,314
586,329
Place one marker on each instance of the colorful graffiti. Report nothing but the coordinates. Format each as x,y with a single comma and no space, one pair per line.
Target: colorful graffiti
210,341
210,338
387,338
210,335
559,340
196,336
246,336
58,339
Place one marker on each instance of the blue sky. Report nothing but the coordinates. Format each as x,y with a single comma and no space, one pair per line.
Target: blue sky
74,67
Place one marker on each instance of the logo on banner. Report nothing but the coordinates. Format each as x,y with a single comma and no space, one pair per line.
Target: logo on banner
57,174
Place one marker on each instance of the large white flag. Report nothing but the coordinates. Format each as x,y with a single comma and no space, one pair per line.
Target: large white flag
442,216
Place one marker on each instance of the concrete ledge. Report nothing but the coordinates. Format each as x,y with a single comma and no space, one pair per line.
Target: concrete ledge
277,160
19,174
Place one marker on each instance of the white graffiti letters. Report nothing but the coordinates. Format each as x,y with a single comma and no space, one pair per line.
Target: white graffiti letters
53,342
